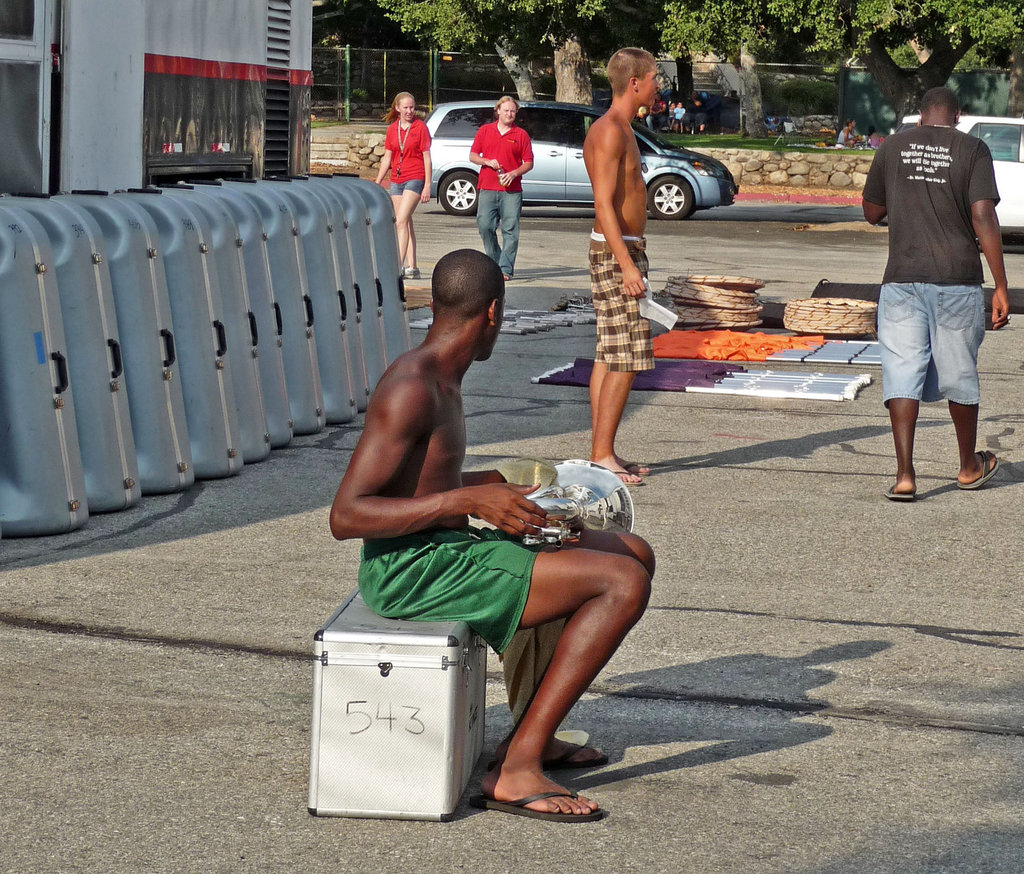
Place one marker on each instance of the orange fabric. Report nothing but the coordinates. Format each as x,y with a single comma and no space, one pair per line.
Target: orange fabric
729,345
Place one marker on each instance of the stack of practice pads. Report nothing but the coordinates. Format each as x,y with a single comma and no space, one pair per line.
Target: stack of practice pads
708,302
836,316
416,297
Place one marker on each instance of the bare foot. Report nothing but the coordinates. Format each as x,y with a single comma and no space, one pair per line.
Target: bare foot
506,784
634,467
980,472
905,485
560,754
615,466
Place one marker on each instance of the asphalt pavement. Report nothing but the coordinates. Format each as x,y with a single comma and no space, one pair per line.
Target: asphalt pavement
825,682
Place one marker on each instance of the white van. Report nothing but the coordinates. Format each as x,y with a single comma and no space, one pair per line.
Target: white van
1005,140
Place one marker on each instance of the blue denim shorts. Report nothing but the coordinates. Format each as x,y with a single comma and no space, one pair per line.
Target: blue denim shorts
399,188
929,336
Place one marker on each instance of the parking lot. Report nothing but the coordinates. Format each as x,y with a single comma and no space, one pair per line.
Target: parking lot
825,682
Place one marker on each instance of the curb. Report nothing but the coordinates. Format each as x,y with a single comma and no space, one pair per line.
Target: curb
839,199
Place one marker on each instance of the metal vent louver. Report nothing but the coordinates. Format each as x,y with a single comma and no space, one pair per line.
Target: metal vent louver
279,33
278,95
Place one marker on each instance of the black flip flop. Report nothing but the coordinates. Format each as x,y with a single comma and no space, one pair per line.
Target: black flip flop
519,808
987,473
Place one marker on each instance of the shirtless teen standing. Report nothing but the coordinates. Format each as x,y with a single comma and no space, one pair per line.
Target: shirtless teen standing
406,495
618,263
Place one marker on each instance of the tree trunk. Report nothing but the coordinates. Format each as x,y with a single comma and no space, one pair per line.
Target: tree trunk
903,89
921,52
518,69
750,96
572,73
1015,100
684,76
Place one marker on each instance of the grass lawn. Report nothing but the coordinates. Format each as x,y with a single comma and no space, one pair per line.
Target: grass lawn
735,141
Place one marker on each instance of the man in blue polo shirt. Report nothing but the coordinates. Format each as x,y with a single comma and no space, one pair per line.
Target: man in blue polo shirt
504,153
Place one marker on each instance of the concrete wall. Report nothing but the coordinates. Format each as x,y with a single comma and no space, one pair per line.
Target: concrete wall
844,169
353,151
360,151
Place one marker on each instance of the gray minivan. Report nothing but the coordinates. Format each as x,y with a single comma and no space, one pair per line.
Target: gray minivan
678,180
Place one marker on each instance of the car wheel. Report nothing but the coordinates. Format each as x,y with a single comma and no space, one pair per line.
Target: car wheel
670,197
457,193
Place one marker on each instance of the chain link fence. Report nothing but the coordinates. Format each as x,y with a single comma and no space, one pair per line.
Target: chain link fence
794,90
358,84
350,84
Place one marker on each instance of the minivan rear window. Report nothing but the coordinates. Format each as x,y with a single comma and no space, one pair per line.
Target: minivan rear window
1003,140
545,125
464,122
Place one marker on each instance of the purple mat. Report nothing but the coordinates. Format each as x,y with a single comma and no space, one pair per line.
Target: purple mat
666,376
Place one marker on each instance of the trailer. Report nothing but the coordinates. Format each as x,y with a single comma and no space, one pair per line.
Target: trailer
113,94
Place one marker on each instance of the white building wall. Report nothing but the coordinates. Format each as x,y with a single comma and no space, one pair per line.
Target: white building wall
213,30
104,60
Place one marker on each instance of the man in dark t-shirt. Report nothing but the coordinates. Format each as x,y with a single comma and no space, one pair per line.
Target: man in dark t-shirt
937,187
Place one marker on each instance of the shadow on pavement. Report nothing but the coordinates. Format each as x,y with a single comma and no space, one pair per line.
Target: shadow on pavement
798,447
985,850
778,684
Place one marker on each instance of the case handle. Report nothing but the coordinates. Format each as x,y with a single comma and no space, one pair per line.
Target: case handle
380,294
168,347
62,372
401,289
222,337
254,330
344,305
309,310
115,354
359,297
279,320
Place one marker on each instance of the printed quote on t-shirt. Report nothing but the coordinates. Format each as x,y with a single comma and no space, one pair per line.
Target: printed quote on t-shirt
926,163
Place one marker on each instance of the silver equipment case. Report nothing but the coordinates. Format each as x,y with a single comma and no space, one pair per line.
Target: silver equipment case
398,715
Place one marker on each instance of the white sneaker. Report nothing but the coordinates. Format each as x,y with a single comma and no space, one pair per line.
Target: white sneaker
411,273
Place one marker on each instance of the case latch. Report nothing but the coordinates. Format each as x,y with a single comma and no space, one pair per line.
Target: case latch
385,668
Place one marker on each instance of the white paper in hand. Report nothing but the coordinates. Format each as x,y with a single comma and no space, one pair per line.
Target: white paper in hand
655,311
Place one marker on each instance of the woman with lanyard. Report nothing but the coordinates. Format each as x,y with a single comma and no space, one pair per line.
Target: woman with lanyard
407,156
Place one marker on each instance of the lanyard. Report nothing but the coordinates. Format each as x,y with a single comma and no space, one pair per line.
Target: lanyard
401,147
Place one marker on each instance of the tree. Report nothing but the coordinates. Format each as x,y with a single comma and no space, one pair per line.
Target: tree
358,23
941,32
875,31
522,30
518,69
730,29
1015,100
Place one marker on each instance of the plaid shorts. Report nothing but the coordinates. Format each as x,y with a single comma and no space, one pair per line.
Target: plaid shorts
623,335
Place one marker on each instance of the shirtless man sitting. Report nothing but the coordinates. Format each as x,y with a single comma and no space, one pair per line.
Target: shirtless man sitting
618,261
405,494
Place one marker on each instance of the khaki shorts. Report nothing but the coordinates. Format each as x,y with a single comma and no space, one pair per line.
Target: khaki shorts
623,335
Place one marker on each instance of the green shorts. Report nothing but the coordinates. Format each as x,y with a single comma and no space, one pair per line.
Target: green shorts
477,575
